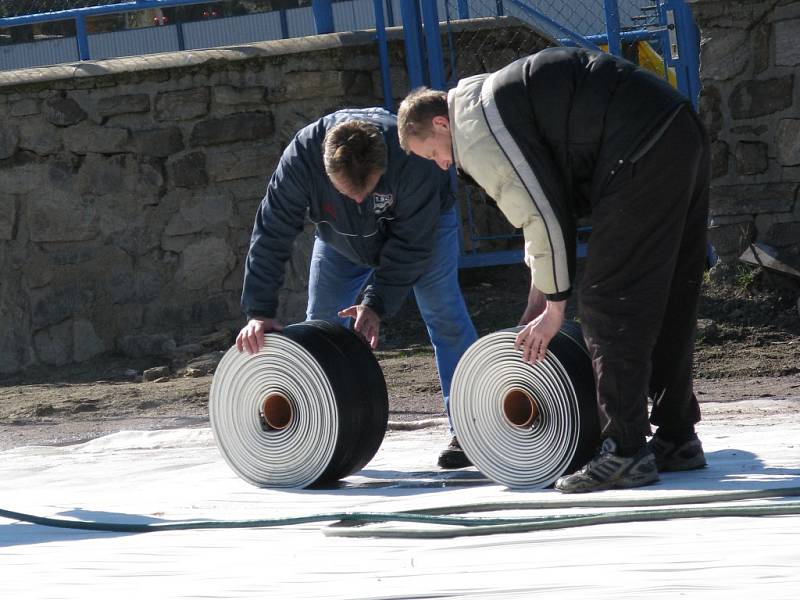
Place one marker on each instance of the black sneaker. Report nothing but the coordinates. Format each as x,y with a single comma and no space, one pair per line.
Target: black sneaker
671,456
607,470
453,456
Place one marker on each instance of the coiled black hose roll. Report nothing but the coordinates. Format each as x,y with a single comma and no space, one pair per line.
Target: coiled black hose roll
526,425
309,408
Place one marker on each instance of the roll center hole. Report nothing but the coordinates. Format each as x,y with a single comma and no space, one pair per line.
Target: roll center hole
276,412
520,408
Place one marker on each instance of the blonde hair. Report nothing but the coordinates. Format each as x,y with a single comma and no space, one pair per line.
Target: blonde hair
416,112
353,151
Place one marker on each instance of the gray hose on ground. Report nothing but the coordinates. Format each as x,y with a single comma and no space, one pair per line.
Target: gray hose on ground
468,525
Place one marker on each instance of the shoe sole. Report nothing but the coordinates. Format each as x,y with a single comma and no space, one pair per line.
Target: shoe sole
615,485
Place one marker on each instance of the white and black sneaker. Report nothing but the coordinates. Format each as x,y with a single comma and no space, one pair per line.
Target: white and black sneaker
671,456
608,470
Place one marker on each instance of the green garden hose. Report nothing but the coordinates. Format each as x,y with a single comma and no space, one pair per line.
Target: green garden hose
350,524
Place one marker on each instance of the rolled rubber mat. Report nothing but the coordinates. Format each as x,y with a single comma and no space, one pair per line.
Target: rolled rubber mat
309,408
526,425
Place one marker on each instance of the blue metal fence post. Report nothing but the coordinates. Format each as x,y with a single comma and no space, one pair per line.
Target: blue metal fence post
383,53
323,16
284,24
463,9
433,44
389,13
689,42
409,10
612,27
81,36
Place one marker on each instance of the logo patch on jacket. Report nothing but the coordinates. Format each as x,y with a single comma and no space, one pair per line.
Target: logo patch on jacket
382,202
329,208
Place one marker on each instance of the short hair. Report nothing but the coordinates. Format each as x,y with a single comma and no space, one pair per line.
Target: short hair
353,151
416,112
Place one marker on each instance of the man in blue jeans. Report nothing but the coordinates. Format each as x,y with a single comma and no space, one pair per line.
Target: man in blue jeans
383,218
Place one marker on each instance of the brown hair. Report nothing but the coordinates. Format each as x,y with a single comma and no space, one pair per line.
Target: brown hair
416,113
353,151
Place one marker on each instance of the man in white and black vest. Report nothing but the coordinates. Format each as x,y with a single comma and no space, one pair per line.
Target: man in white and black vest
569,133
385,222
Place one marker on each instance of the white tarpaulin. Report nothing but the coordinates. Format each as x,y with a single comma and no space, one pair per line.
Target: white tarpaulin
148,477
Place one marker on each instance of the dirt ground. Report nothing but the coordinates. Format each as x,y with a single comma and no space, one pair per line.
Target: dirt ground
747,366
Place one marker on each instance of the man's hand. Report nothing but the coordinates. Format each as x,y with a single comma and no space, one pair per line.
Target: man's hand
368,323
535,337
251,337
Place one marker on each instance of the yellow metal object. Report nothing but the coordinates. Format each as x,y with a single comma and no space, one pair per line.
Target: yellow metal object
651,60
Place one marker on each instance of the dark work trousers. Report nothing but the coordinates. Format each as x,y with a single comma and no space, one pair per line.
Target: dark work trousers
639,291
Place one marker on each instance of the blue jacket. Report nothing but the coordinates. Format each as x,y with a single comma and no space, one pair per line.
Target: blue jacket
392,230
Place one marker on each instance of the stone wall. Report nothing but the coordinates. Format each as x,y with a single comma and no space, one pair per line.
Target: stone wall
750,53
128,187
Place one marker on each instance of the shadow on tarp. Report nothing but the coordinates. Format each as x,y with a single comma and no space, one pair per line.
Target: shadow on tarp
728,470
24,534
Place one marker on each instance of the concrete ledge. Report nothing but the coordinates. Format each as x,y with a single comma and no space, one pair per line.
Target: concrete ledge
193,58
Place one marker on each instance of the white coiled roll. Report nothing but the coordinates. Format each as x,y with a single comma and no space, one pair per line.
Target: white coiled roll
525,425
245,387
309,408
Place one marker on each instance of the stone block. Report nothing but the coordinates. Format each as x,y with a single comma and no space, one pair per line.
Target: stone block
87,137
731,239
782,235
200,212
25,107
145,345
158,142
56,303
60,216
719,159
300,85
787,50
722,53
757,98
751,158
233,96
204,264
762,47
8,216
227,164
155,373
788,142
85,343
40,137
752,199
711,109
53,345
187,171
120,105
119,175
9,140
182,105
233,128
63,111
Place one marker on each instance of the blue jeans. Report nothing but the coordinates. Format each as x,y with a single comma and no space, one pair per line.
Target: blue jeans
334,283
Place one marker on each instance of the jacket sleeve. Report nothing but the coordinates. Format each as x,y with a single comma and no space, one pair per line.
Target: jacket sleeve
549,235
423,193
279,219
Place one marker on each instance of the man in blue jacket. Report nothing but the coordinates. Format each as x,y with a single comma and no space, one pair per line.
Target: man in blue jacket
383,218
